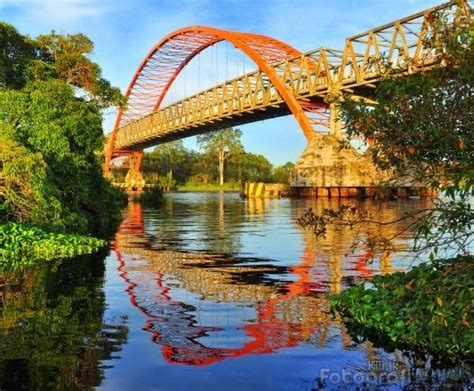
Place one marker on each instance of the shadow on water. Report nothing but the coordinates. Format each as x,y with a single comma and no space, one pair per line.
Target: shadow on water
53,334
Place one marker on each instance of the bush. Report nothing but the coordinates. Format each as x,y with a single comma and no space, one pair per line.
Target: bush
428,309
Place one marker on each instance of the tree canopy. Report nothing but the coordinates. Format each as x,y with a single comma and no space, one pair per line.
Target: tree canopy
222,144
50,134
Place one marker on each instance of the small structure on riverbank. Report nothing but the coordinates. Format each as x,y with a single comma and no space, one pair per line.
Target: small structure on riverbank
264,190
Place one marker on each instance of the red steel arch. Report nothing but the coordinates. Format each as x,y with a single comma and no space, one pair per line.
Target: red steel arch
168,57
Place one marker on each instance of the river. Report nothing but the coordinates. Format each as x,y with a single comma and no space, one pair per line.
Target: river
205,292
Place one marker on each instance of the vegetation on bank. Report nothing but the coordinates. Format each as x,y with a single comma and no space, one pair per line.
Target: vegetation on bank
51,100
174,166
428,309
209,187
20,244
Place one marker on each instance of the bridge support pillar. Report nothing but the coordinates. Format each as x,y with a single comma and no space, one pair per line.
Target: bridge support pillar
134,180
334,120
332,171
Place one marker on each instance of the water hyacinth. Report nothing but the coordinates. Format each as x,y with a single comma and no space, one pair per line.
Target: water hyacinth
21,244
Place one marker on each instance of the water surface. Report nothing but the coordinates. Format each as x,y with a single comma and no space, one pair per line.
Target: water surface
206,292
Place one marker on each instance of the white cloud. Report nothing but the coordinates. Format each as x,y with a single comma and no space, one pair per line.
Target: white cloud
54,11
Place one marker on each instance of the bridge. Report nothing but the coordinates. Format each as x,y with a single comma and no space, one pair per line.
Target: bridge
287,81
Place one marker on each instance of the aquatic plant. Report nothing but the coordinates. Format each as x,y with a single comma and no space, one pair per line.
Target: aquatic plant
21,244
428,309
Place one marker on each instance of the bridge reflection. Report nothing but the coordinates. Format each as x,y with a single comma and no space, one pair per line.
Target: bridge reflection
202,308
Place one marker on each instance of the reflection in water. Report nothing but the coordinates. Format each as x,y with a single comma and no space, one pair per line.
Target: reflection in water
53,334
202,304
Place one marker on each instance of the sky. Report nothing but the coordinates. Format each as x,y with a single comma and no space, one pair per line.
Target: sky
124,31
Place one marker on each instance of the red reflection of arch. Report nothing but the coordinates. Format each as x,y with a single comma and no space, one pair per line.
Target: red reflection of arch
268,334
168,57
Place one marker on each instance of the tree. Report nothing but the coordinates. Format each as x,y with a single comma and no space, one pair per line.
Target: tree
16,53
51,133
172,151
221,144
22,177
281,174
66,57
423,128
256,168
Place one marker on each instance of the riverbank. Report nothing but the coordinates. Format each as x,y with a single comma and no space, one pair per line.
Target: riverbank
204,188
21,244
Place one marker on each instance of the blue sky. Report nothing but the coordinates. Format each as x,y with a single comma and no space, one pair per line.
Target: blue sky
124,31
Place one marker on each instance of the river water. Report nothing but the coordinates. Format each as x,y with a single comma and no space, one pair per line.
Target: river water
204,292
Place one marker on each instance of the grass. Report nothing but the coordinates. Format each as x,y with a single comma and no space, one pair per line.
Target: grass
200,187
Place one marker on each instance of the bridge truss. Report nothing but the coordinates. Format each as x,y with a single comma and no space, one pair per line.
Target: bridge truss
307,85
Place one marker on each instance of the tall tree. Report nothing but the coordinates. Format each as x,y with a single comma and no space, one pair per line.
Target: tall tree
256,168
173,151
221,144
51,97
16,53
66,57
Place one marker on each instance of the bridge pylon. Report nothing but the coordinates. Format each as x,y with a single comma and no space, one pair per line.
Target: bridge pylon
134,180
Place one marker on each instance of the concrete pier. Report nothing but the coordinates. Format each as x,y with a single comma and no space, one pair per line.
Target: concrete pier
326,169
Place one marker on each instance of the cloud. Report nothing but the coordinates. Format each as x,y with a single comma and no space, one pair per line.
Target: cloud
54,11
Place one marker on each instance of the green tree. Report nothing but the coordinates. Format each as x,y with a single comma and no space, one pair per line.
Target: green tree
169,162
22,181
16,53
221,144
66,57
51,97
256,168
281,174
423,126
48,120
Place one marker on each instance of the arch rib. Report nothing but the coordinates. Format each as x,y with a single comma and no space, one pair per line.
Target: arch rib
168,57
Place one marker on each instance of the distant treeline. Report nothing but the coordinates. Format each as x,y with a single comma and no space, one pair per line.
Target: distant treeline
221,158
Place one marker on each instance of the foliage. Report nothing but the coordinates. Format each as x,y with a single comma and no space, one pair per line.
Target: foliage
167,163
67,58
51,133
22,175
192,169
51,124
428,309
281,174
20,244
256,168
16,53
152,196
422,130
207,187
221,144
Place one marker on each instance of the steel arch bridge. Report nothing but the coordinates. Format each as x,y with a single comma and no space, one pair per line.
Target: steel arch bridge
306,85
